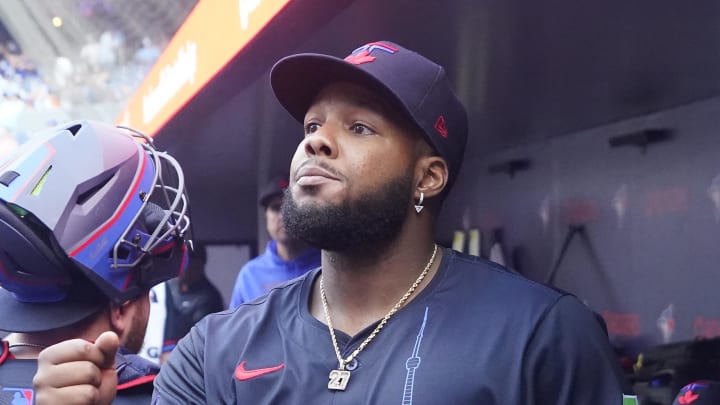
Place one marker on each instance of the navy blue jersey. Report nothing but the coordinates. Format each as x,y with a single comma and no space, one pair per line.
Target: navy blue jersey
477,334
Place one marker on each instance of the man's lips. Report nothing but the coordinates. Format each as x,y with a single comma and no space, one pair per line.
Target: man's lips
312,175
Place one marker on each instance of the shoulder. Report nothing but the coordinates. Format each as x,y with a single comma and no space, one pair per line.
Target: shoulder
504,283
207,344
134,373
257,262
280,302
493,294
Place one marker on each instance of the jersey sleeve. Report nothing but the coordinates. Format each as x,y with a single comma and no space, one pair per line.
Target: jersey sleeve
570,361
181,378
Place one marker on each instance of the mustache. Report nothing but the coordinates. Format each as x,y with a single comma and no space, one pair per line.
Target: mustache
321,164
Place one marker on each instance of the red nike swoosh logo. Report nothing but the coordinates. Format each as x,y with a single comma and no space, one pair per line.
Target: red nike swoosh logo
242,374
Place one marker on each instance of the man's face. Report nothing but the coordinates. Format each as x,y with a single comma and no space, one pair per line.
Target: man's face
139,312
352,176
274,220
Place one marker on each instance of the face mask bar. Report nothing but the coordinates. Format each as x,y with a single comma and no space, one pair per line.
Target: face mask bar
175,221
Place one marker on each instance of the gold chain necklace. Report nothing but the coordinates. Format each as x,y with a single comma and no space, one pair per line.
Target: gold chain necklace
339,378
32,345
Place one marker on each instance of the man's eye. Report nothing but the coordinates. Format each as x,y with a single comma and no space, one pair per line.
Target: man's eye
361,129
311,128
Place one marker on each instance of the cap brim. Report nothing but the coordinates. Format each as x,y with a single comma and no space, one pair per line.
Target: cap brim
265,199
16,316
296,80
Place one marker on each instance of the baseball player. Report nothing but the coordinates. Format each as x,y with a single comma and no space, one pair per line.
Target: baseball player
390,317
88,223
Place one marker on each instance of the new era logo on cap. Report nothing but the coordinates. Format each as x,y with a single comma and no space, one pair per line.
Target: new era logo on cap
687,398
699,393
441,127
363,54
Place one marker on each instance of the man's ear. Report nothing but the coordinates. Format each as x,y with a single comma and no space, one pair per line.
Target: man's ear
431,176
121,316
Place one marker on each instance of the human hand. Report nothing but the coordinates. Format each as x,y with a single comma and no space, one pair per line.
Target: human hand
77,372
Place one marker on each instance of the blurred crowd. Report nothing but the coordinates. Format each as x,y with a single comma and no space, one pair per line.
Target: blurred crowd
109,68
27,100
102,51
106,72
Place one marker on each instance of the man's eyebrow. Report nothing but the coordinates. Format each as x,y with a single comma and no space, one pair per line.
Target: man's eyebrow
382,106
373,103
376,102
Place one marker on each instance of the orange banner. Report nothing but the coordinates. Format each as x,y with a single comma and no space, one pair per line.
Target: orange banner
214,32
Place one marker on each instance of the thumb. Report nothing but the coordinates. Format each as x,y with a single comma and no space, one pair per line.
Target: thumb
108,343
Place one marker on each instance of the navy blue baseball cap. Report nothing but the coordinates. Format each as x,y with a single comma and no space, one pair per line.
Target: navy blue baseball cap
704,392
275,187
415,85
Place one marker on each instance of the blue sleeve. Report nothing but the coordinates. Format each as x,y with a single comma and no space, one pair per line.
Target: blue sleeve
236,299
182,379
570,361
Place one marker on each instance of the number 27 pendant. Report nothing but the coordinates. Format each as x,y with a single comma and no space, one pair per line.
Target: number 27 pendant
338,380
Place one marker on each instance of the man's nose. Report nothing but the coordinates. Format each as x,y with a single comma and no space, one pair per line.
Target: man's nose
321,143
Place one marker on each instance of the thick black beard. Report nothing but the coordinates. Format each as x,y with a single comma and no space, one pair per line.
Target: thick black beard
367,223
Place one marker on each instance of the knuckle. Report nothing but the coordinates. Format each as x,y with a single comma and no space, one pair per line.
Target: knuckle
39,379
88,395
89,372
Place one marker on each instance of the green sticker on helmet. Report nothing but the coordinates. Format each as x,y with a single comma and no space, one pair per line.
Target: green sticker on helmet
630,400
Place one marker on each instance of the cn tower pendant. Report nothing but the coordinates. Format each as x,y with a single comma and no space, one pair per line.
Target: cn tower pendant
339,379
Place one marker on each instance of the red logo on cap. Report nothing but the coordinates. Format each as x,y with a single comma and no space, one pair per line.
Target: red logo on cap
360,58
688,398
362,54
440,127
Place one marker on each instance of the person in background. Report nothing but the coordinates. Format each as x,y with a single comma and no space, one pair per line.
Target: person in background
155,332
188,299
82,244
285,256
